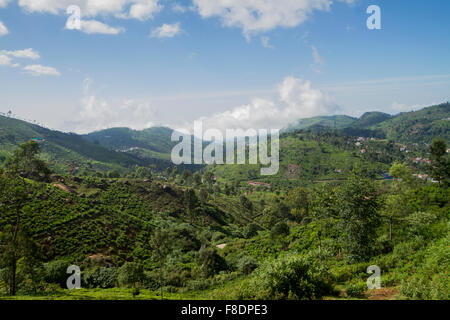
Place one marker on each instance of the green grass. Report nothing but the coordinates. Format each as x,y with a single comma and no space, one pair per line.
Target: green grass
108,294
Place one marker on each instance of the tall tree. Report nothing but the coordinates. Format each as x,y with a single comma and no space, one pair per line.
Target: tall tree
160,243
187,175
298,201
15,245
396,202
324,211
208,178
25,162
359,216
440,164
191,203
197,178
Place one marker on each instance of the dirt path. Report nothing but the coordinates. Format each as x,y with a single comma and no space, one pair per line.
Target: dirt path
63,187
383,294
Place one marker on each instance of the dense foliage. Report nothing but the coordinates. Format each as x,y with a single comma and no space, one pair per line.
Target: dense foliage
306,234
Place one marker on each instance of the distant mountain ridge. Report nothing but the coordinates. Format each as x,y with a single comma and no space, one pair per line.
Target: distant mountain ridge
337,122
64,150
415,126
153,142
124,148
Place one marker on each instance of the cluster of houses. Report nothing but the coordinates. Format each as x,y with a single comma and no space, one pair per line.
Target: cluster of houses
359,142
421,160
128,149
424,176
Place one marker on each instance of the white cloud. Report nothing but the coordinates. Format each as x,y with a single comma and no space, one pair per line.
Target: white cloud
93,27
254,16
166,31
98,113
134,9
5,60
144,10
40,70
265,42
24,54
297,100
317,58
176,7
3,29
4,3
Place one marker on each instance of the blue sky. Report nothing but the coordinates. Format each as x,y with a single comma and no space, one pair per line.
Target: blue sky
260,63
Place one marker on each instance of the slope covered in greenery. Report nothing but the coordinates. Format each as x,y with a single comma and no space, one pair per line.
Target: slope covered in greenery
201,238
418,126
310,234
65,151
336,122
309,156
152,142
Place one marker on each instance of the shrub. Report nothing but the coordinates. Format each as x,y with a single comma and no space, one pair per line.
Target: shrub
280,229
217,236
56,272
102,278
356,290
290,277
246,264
130,274
209,261
421,287
430,280
418,223
252,230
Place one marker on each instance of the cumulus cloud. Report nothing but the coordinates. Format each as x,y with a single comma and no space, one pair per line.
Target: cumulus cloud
166,31
5,60
4,3
40,70
254,16
23,54
144,10
97,27
297,100
99,113
7,56
134,9
3,29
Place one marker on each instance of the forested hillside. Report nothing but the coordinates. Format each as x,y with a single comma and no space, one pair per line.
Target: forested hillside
339,204
414,127
152,142
418,126
67,151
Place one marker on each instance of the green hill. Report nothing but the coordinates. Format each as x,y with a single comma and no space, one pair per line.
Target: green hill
308,156
418,126
414,127
124,148
153,142
64,150
370,118
337,122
